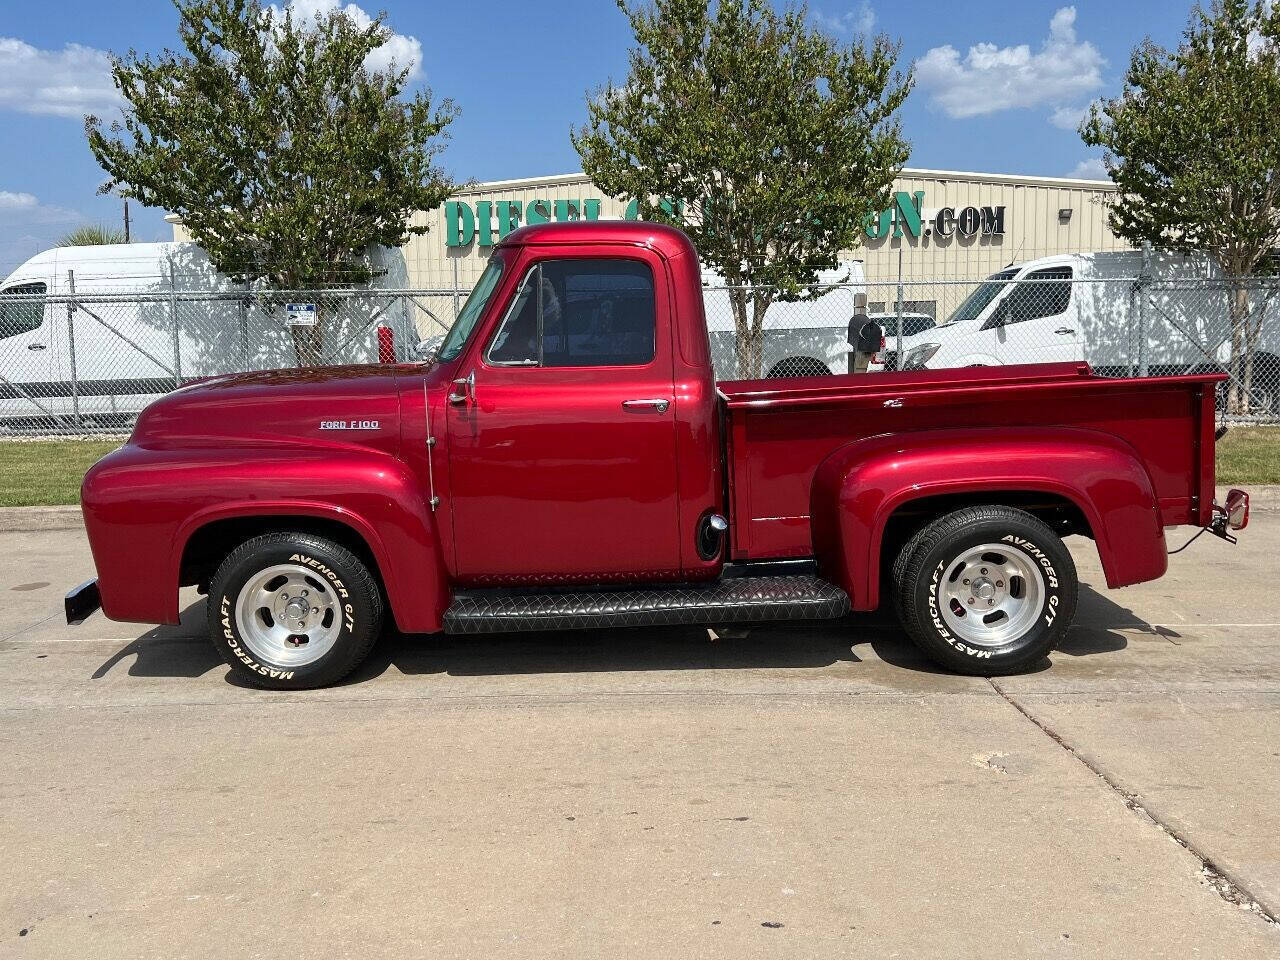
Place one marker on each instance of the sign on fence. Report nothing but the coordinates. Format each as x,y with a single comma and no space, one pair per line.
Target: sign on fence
300,314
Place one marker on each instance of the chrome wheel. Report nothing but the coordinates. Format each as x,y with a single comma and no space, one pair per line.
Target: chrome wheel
991,595
287,616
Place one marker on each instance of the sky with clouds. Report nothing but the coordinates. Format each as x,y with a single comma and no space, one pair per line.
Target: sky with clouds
1000,86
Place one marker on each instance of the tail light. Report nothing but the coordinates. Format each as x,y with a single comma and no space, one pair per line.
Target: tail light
386,345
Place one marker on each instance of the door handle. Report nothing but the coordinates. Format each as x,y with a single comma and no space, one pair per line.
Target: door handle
35,346
657,404
1065,330
468,387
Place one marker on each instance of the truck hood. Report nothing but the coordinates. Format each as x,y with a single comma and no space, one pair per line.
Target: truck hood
312,406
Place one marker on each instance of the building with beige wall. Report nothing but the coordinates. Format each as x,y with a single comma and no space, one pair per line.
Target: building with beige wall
943,226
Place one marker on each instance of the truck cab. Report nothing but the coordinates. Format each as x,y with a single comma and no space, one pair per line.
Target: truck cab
567,460
593,364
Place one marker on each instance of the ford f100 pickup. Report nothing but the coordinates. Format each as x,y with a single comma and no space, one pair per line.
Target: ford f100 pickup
568,460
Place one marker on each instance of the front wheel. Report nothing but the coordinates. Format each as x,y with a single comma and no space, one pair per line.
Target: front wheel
987,590
292,611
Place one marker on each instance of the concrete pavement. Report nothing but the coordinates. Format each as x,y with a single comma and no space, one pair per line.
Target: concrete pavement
807,791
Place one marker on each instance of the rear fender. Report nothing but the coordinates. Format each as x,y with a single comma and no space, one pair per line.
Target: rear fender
859,486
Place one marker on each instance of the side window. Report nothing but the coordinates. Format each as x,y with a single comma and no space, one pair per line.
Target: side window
580,313
16,318
916,325
1046,295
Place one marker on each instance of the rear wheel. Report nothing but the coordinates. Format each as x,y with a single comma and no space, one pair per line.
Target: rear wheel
987,590
293,611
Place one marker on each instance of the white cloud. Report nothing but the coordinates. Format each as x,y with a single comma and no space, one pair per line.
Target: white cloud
16,201
69,82
28,226
1068,118
991,78
1091,169
861,19
402,50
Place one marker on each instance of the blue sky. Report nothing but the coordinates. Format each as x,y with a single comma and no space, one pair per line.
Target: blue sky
1000,85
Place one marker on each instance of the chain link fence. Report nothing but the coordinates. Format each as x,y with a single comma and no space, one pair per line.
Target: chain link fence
84,362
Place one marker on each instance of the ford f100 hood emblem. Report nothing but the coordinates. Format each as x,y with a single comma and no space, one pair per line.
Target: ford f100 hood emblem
348,424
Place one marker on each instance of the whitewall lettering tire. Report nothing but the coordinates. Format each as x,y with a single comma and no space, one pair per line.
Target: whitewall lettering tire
986,590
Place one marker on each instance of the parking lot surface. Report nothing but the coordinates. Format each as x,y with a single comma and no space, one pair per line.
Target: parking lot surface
806,791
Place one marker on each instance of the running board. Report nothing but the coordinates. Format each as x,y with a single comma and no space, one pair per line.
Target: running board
731,600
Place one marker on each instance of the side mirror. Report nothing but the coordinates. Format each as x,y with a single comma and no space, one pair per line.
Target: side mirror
1237,509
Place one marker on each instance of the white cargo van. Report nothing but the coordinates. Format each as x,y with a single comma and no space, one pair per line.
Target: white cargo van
99,359
1084,306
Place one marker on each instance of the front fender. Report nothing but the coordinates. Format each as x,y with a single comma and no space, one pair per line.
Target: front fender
859,486
143,506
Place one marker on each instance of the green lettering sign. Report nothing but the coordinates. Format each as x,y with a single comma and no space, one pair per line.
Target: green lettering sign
466,223
566,210
878,224
460,224
508,216
908,208
537,211
484,221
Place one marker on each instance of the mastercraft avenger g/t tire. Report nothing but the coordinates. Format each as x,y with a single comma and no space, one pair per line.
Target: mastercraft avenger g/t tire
987,590
293,611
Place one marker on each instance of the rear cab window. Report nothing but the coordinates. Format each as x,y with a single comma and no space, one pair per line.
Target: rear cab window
579,313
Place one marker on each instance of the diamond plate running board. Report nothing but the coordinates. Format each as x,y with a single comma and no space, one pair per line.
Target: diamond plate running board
731,600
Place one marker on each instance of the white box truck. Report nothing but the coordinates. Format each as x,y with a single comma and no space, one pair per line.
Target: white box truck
89,335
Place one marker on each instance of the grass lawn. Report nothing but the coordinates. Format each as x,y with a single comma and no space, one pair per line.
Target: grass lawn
1249,455
49,472
44,473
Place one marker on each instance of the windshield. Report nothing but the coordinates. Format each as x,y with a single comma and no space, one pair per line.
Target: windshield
987,291
470,313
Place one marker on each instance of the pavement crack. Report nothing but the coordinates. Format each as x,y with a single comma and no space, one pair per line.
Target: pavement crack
1223,884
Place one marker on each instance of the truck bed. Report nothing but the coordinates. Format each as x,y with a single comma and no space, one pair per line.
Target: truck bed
779,431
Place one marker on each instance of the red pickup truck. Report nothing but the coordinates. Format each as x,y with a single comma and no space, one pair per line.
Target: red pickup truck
568,460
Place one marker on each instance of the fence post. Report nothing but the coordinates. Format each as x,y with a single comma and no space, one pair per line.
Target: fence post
455,288
71,346
1143,362
899,344
173,314
243,306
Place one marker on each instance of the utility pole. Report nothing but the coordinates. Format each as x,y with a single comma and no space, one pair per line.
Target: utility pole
126,220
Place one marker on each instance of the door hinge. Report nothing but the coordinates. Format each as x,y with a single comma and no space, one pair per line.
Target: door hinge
435,502
431,441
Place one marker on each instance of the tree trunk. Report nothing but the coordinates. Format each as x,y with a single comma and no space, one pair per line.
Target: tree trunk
308,344
748,328
761,297
1240,365
742,346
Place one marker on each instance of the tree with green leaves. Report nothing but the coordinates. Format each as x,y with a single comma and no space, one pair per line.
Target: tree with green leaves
765,139
90,235
1191,143
284,153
